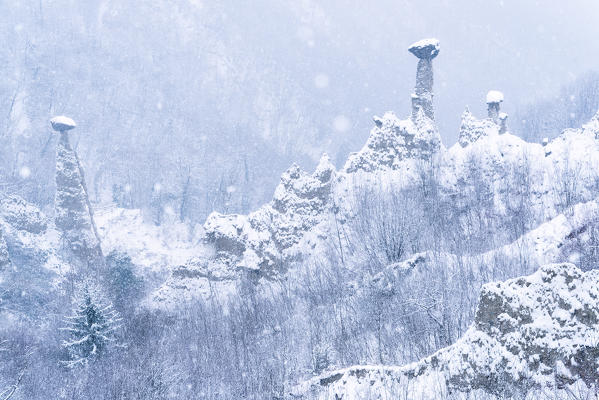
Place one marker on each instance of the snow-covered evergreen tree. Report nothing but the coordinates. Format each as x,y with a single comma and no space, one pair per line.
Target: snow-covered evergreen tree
91,328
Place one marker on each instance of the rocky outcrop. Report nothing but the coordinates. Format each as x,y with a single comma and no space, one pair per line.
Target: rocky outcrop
530,332
22,215
26,238
201,277
264,238
472,128
393,141
73,212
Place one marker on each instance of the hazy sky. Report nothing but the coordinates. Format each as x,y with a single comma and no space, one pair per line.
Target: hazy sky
161,86
526,49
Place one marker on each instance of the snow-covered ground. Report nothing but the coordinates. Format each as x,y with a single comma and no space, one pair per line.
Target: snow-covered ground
156,248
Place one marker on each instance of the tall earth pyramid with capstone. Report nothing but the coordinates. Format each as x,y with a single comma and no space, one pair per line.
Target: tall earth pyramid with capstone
73,214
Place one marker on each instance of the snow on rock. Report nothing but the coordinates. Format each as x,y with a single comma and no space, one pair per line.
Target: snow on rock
73,212
22,215
502,117
425,48
266,236
494,100
560,174
26,237
538,331
472,128
256,244
494,96
393,141
62,123
200,277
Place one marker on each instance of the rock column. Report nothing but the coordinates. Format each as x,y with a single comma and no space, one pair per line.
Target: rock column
73,214
422,98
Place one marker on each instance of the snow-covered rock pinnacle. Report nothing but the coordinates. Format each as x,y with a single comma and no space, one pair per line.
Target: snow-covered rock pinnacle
73,212
538,331
426,50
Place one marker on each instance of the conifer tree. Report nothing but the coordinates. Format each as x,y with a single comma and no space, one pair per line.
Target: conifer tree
91,328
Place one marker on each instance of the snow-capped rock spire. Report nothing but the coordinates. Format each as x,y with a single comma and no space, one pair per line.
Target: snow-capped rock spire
494,100
73,212
426,50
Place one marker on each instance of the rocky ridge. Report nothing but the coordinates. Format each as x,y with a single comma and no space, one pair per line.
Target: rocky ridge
306,209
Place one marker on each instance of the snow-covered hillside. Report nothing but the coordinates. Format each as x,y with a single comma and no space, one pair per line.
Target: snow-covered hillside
538,331
307,210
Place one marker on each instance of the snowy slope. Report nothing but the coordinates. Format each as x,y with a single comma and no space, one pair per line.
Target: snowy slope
153,248
529,332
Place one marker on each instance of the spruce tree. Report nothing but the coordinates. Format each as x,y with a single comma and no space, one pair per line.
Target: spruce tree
91,328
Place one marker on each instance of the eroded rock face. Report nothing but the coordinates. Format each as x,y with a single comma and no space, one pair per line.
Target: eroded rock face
538,331
392,141
22,215
27,240
73,213
265,237
4,256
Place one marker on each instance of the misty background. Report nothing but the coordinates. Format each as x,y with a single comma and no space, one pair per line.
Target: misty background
188,106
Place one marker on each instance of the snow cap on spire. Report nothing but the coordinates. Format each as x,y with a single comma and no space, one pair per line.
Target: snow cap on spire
425,48
494,96
62,123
